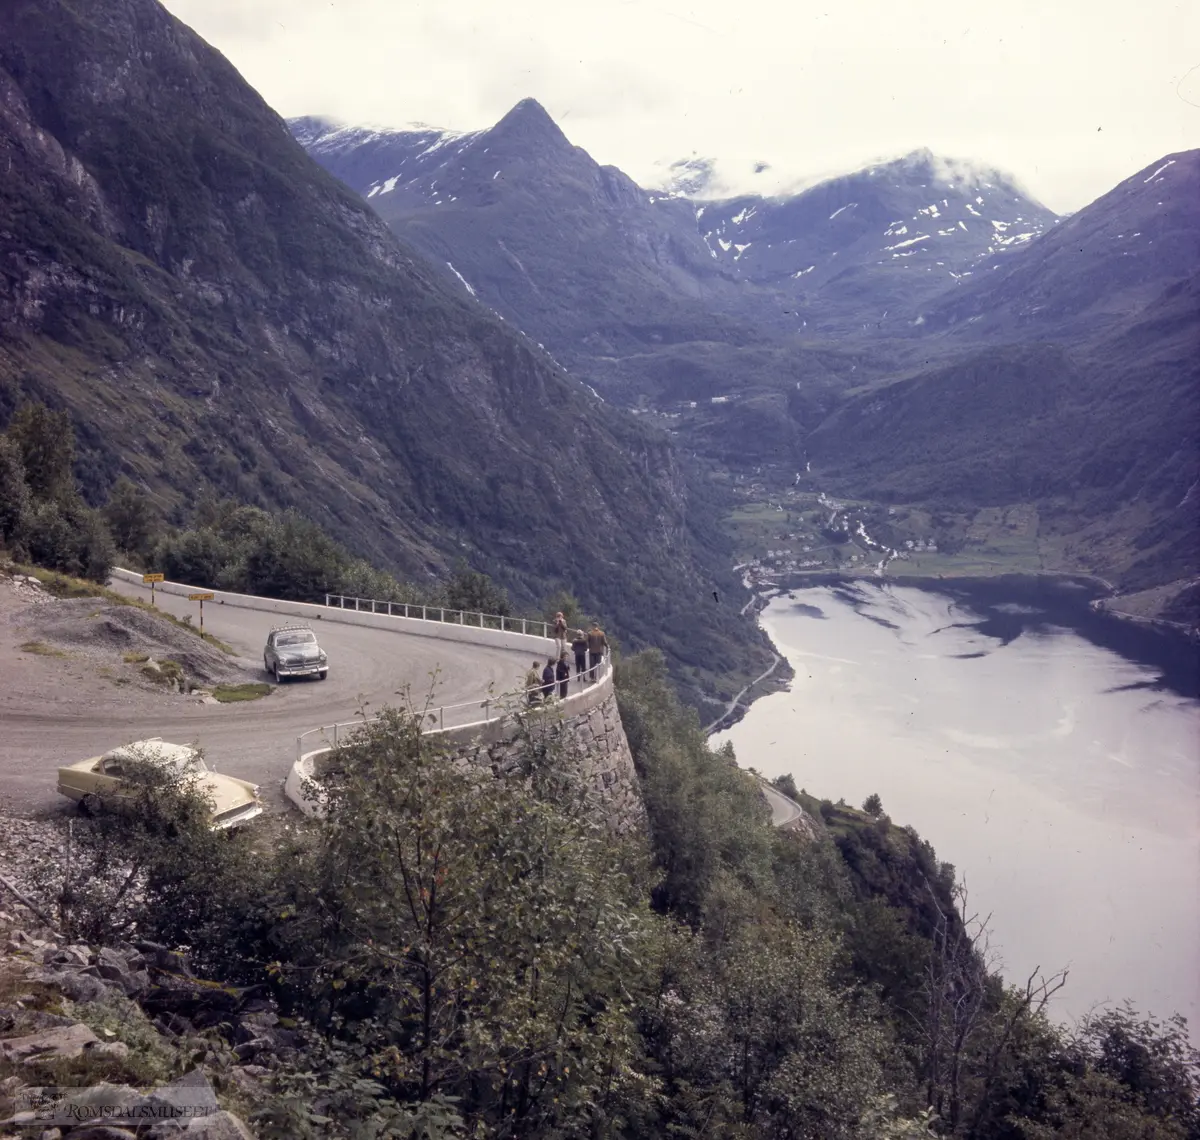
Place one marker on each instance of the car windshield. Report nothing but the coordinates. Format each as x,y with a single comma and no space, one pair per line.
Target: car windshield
174,757
299,637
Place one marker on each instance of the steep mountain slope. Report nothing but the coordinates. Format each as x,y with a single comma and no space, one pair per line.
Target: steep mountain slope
868,250
573,252
1074,389
216,311
1101,266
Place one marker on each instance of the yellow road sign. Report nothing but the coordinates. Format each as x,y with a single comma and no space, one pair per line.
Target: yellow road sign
152,577
200,597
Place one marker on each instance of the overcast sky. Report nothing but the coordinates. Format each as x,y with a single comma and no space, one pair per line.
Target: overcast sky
1069,95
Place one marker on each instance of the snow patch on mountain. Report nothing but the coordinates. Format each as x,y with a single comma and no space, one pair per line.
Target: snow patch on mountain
910,241
465,282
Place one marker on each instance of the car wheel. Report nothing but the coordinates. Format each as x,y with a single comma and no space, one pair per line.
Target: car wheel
266,667
322,674
90,804
278,675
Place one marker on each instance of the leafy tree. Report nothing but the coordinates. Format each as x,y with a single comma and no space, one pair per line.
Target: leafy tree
706,815
476,593
755,1036
1154,1060
473,940
70,538
15,500
199,557
46,441
97,553
787,785
132,518
873,805
292,558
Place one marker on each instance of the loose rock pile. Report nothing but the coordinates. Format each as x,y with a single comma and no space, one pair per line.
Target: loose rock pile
109,634
28,589
35,1041
25,846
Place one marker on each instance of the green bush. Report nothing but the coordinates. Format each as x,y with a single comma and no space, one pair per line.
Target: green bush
132,519
15,498
706,816
70,538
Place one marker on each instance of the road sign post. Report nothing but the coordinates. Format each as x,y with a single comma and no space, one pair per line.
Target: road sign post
201,598
152,578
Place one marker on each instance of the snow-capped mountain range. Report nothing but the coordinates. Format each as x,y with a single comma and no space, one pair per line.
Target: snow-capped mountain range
947,214
866,250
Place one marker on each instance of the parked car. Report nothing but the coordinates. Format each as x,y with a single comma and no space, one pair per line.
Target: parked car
292,651
95,783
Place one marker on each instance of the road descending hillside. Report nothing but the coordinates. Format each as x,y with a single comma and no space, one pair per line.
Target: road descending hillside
369,668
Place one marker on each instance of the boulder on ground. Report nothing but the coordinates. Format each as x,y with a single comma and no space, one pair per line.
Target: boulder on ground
64,1041
219,1126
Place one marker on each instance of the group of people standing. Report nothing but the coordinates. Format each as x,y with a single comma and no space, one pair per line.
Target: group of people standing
589,649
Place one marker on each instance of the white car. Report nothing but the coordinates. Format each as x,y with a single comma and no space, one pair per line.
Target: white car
95,783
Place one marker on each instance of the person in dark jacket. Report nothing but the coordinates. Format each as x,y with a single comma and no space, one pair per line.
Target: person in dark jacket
563,672
548,679
560,634
597,643
579,646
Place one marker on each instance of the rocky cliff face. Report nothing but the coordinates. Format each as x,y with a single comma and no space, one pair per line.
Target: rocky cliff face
217,312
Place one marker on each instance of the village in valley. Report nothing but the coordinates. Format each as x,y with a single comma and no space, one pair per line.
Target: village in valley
787,529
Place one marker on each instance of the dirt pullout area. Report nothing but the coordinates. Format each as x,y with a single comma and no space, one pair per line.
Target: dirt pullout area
124,644
72,657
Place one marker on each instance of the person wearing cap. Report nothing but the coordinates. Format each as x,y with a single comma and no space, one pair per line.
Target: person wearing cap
533,681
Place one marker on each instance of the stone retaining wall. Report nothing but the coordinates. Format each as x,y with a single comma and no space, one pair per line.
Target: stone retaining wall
588,736
592,740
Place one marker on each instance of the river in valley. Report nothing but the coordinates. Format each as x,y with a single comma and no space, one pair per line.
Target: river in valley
1051,754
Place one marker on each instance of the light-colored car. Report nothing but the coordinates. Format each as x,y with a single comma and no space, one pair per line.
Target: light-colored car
292,651
95,783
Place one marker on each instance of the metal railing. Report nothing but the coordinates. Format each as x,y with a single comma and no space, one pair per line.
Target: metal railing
501,622
467,713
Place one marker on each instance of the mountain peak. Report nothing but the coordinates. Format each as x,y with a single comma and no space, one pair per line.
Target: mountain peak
530,122
925,166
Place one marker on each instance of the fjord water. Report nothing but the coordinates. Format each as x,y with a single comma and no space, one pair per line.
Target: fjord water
1059,776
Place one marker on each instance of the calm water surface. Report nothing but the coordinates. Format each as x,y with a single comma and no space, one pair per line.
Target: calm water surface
1061,778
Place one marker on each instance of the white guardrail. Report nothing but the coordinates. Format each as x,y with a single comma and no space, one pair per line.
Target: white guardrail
466,714
440,613
487,629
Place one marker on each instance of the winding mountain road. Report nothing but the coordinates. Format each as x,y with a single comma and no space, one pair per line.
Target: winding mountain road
783,810
64,718
255,740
